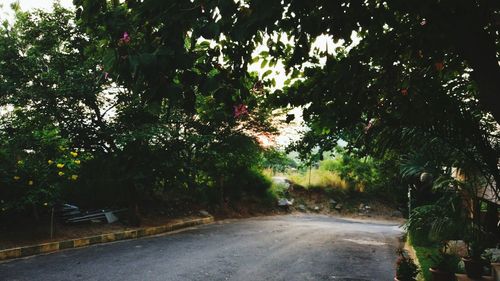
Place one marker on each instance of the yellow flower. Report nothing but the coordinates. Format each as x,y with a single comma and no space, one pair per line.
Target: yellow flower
50,162
17,178
62,148
73,153
77,162
74,177
61,174
30,182
60,165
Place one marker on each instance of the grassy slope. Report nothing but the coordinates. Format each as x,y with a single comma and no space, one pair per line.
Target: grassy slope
423,258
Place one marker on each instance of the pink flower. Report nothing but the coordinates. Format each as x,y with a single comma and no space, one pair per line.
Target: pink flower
125,39
240,110
106,75
439,66
368,126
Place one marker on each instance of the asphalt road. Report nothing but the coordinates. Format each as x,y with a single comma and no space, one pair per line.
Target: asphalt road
292,247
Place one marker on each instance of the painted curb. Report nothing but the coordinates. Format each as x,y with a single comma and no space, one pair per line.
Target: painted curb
51,247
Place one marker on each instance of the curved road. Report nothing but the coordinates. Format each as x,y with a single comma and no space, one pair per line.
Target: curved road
292,247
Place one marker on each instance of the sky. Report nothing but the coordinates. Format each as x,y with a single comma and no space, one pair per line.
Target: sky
6,13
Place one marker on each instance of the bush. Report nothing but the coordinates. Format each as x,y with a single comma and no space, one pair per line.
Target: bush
37,170
436,222
247,182
406,269
277,190
360,173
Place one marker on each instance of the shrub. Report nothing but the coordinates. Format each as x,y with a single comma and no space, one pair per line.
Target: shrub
406,269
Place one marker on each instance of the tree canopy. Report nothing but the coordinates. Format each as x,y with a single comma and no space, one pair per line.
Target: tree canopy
156,95
423,72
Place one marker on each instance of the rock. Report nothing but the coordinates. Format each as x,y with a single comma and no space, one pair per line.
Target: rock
397,214
338,206
302,207
361,206
316,208
204,213
333,202
283,202
281,181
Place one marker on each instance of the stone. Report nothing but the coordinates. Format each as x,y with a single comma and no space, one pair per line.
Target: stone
333,202
397,214
302,207
204,213
316,208
283,202
338,206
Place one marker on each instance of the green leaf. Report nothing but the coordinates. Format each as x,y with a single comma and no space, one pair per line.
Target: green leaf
268,72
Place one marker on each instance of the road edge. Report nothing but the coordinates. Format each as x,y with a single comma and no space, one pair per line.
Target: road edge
52,247
413,254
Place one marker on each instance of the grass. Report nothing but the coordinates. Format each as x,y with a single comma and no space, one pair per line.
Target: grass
319,178
423,254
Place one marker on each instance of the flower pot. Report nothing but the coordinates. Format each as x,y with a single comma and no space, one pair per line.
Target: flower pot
473,267
397,279
441,275
495,267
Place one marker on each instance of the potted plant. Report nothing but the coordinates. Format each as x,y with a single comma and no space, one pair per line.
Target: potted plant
473,262
443,266
406,269
493,256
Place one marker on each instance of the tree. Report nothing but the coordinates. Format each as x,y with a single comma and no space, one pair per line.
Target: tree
144,116
411,75
428,67
181,105
50,107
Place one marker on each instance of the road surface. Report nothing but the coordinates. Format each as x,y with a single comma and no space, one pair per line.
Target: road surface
291,247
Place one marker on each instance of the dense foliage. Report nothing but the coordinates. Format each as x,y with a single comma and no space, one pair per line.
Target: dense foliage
155,96
411,81
117,119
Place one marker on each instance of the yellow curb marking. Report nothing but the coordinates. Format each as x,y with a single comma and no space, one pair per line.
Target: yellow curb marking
10,253
130,233
81,242
150,231
49,247
108,237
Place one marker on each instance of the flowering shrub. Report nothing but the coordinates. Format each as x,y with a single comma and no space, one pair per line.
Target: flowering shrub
36,176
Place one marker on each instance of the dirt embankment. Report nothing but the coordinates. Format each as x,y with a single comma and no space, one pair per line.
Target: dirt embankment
356,205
